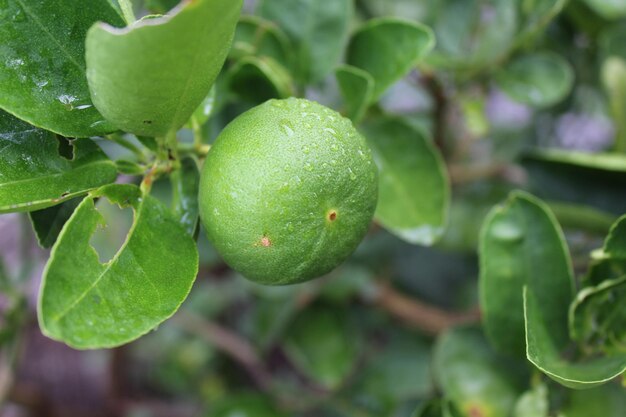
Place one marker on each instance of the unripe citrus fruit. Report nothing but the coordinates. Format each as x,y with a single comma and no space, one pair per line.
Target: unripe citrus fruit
287,191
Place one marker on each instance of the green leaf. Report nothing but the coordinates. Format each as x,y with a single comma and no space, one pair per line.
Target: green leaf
318,31
153,94
472,35
259,79
541,79
414,190
597,317
544,350
614,79
260,37
473,377
609,9
33,174
322,344
615,244
48,222
244,405
606,401
398,45
43,77
533,403
357,87
522,244
87,304
537,14
185,185
204,111
612,162
431,408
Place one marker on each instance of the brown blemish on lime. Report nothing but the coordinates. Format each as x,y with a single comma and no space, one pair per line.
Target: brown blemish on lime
475,411
332,215
265,242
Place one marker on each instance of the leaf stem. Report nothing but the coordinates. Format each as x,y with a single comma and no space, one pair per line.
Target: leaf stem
127,11
120,140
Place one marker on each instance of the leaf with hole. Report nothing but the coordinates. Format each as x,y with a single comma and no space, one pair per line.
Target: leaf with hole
357,87
33,173
414,190
121,65
43,77
521,244
87,304
399,46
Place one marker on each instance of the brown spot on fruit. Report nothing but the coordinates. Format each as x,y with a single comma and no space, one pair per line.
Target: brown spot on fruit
265,241
332,215
475,411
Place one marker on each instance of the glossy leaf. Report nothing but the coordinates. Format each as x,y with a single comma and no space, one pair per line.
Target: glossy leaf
43,72
318,31
399,46
414,192
260,79
540,80
33,175
185,185
153,94
609,9
474,378
87,304
357,87
543,349
522,244
533,403
48,222
597,317
321,343
615,244
260,37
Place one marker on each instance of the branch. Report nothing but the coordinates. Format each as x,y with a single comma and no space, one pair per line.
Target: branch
440,109
425,317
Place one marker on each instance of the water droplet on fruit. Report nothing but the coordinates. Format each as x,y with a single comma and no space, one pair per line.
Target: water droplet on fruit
352,174
308,167
290,227
334,147
361,154
306,149
278,103
507,231
331,131
287,127
333,162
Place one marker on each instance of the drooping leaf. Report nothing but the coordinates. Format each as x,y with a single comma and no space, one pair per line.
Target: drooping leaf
153,94
357,87
597,317
318,31
540,79
414,192
260,79
33,174
42,79
185,184
544,350
533,403
260,37
398,44
48,222
321,343
522,244
87,304
473,377
609,9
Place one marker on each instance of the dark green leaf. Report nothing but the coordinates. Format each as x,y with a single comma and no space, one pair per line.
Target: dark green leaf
414,192
322,344
244,405
398,44
473,377
537,14
48,222
33,174
87,304
43,51
606,401
357,87
153,94
259,37
597,317
431,408
615,244
260,79
540,79
609,9
317,29
522,244
544,349
204,111
185,184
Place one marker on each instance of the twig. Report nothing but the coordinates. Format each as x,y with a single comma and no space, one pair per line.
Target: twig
440,109
229,343
464,174
425,317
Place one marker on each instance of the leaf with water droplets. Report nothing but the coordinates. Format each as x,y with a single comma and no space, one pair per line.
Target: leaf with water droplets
521,244
153,94
88,304
39,171
43,58
414,192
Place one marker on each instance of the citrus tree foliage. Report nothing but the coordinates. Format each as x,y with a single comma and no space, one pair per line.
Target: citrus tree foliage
455,139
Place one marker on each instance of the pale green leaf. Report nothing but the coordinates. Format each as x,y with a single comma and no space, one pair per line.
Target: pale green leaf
357,87
33,174
153,94
533,403
87,304
42,78
414,190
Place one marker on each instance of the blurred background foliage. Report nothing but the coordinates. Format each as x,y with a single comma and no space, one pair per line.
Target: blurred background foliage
526,94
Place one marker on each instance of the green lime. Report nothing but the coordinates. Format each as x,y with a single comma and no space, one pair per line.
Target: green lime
288,191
